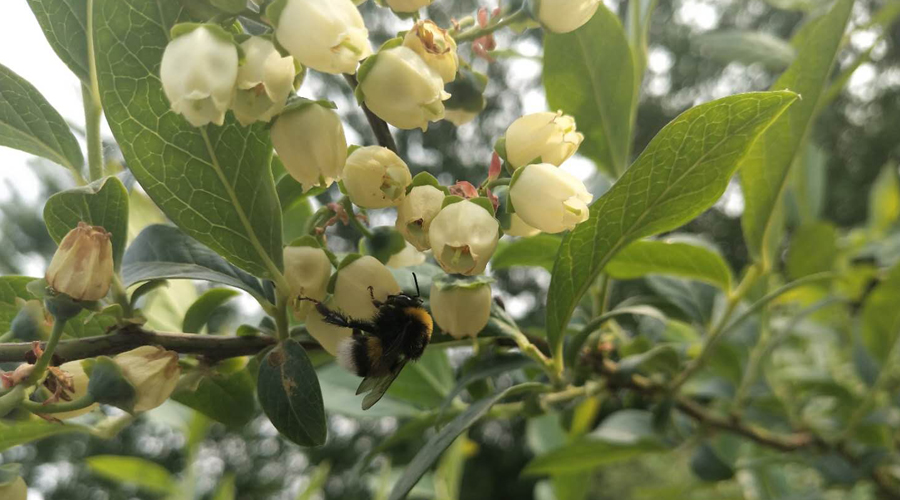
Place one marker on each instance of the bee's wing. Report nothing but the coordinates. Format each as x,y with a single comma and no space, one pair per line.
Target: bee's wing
377,385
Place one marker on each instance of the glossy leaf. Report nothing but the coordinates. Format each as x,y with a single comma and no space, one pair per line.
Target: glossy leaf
64,23
30,124
535,251
881,317
671,258
202,309
747,47
290,395
589,74
223,397
683,171
14,433
133,471
813,250
164,252
764,170
213,182
101,203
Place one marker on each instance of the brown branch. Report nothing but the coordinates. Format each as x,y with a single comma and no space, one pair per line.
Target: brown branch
379,126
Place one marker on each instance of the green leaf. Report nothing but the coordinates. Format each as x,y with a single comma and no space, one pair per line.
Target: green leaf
881,317
747,47
622,436
426,382
226,489
223,397
661,358
535,251
164,252
671,258
290,395
86,324
214,182
133,471
813,250
14,433
202,309
485,368
637,24
64,23
29,123
765,168
708,466
339,393
434,448
589,74
884,200
801,5
689,163
101,203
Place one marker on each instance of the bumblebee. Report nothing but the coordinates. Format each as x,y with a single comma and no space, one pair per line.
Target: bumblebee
381,347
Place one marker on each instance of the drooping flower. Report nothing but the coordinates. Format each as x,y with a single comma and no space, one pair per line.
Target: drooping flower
550,137
548,198
415,213
463,238
310,141
264,81
375,177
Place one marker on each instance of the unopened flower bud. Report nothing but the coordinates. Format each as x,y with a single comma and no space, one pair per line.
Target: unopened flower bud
518,227
550,137
563,16
310,141
351,288
307,270
327,335
153,371
415,213
402,89
11,379
435,47
407,5
82,266
461,311
549,199
79,384
198,73
409,256
15,489
325,35
463,238
375,177
264,81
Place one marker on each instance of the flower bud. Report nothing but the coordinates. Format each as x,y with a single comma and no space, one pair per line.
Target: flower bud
82,266
563,16
402,89
310,141
461,311
517,227
325,35
153,371
351,288
14,490
415,213
549,199
264,81
463,238
407,5
550,137
198,73
307,271
375,177
79,383
327,335
409,256
435,47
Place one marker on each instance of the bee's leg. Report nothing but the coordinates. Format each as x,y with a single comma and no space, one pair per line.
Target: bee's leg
377,303
339,319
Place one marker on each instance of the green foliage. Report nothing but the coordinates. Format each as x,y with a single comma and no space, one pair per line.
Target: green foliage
881,317
748,47
65,25
198,315
672,258
226,397
144,474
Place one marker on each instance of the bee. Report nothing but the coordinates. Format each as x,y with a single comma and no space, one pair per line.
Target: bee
379,348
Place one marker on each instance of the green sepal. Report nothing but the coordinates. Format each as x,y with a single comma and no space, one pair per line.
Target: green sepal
450,200
384,243
299,73
9,473
480,201
27,326
274,10
38,288
219,32
504,216
391,43
342,189
63,307
426,179
449,281
230,6
297,103
515,176
351,148
349,259
500,148
364,68
108,385
305,241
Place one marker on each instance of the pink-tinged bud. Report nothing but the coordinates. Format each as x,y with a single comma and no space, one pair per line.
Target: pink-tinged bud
82,267
153,371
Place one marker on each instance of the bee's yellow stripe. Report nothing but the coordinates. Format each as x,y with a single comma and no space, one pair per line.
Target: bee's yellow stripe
421,315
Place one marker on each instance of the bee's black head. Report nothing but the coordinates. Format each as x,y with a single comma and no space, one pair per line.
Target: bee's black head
403,300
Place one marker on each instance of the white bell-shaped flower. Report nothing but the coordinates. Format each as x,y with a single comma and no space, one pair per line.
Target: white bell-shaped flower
311,144
549,136
415,213
549,199
463,238
435,46
351,287
518,227
327,335
325,35
563,16
307,271
403,90
461,311
198,73
407,5
375,177
264,81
